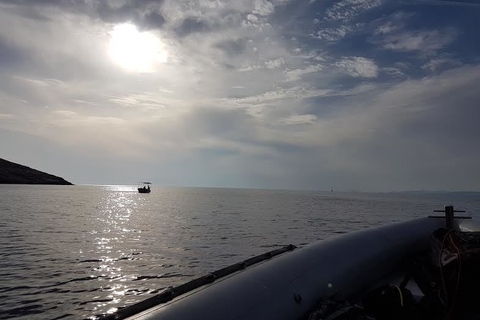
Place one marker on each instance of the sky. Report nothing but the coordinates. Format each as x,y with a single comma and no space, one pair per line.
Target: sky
366,95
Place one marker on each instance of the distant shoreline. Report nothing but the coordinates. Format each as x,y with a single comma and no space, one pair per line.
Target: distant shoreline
14,173
335,192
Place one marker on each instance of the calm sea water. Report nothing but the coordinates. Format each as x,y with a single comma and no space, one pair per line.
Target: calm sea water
70,252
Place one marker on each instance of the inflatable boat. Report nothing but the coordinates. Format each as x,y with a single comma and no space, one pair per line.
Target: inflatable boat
387,272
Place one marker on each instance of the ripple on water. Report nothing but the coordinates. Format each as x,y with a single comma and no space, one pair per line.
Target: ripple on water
72,252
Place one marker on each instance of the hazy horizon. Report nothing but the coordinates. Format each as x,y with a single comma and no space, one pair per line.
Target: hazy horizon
366,95
159,184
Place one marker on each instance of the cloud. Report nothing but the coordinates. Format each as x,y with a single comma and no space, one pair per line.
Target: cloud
296,74
387,28
194,25
140,100
65,113
347,10
231,47
250,68
257,23
279,94
277,63
393,23
409,132
263,7
259,91
41,82
393,71
252,18
145,14
421,41
445,3
332,34
299,119
358,67
6,116
440,63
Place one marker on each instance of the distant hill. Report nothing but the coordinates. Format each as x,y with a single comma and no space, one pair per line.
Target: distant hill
13,173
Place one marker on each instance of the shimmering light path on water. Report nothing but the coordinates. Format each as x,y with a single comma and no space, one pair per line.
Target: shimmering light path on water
74,251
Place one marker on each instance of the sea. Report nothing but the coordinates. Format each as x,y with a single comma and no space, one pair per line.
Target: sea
73,252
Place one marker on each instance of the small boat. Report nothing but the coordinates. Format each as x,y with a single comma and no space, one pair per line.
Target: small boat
426,268
144,187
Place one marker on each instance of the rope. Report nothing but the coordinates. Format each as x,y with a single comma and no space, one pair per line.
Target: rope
450,307
458,275
445,293
401,295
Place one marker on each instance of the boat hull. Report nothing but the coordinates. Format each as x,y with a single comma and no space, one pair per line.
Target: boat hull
288,286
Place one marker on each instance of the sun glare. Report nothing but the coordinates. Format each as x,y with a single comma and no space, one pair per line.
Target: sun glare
134,50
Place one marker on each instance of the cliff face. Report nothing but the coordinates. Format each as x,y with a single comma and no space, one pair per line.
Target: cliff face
13,173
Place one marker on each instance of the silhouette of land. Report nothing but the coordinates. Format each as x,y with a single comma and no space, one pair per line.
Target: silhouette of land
13,173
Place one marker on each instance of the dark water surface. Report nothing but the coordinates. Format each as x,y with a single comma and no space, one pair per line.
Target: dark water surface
70,252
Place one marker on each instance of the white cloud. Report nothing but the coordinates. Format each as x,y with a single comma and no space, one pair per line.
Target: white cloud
263,7
435,64
393,71
296,74
299,119
41,82
257,22
252,18
422,41
313,54
70,119
84,102
273,64
270,64
387,28
331,34
140,100
450,3
414,124
65,113
199,99
358,67
346,10
277,95
250,68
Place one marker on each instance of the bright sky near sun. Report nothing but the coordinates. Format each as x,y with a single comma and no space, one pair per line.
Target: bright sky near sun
135,50
369,95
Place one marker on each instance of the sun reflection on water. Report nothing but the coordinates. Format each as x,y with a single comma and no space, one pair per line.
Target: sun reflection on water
113,227
124,249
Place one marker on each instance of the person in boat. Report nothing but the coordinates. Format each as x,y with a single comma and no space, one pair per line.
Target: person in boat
148,188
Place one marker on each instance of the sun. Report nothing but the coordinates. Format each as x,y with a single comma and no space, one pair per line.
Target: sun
134,50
